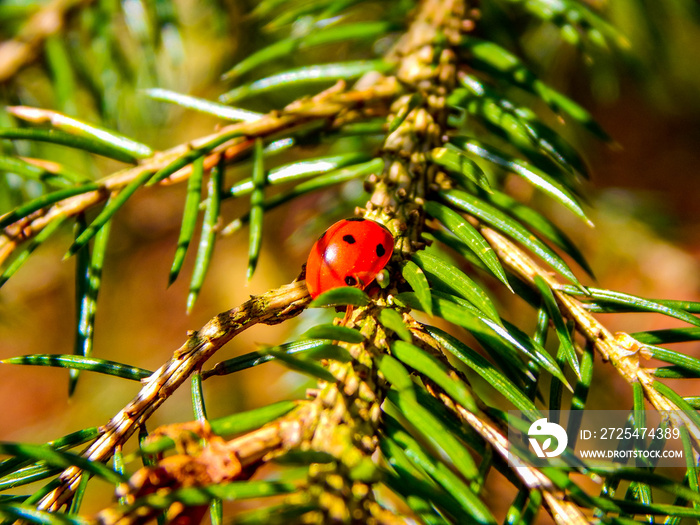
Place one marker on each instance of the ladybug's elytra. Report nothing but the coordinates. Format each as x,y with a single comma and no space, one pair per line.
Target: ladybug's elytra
350,253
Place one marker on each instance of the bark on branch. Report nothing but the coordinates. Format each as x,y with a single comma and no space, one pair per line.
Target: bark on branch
271,307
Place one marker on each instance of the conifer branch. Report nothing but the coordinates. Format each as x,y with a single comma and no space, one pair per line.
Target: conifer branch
334,106
271,307
357,397
621,350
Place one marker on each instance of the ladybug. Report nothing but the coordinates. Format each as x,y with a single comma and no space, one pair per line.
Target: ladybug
350,253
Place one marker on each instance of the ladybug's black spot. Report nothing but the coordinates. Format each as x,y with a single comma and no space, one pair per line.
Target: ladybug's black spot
380,250
356,219
349,239
350,280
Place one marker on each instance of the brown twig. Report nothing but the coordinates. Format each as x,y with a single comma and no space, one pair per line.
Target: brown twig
564,512
325,106
271,307
620,349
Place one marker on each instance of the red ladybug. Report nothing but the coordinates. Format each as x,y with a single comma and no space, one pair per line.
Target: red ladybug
350,253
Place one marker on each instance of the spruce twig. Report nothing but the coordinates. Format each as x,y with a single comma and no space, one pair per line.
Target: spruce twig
233,141
271,307
419,131
621,350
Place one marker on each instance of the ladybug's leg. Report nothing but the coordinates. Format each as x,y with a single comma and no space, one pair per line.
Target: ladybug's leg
357,283
348,314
